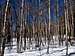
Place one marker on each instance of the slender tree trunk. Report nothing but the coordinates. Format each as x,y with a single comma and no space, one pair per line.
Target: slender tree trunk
49,26
3,46
25,35
66,22
48,43
4,37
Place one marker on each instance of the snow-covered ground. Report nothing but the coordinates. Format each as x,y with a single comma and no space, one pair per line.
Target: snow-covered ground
53,51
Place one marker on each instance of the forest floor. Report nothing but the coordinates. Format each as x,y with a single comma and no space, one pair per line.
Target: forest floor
54,50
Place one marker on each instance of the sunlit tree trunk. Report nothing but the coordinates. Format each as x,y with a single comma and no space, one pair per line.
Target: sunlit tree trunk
49,27
4,37
72,27
66,24
21,27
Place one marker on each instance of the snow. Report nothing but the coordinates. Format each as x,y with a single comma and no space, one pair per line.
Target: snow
53,51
